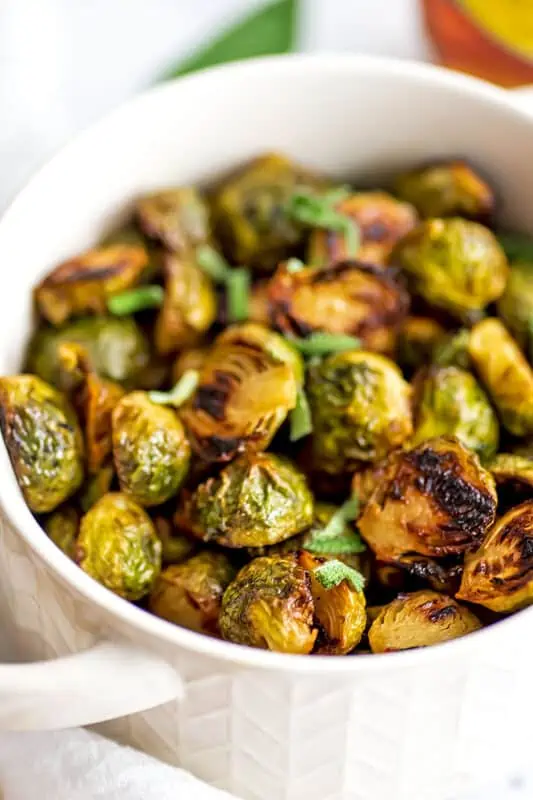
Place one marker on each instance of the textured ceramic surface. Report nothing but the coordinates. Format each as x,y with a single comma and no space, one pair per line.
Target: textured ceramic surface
421,725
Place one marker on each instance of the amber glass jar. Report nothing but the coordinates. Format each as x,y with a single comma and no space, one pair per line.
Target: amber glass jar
492,39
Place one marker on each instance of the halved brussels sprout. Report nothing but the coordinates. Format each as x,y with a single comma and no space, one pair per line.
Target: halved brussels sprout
192,359
176,547
257,500
349,297
515,306
190,594
43,440
83,284
244,394
513,472
189,308
361,410
450,402
447,189
437,500
252,334
367,477
62,527
270,605
382,220
116,349
340,612
118,546
417,340
414,571
418,620
454,264
452,351
499,575
249,211
178,218
150,449
505,373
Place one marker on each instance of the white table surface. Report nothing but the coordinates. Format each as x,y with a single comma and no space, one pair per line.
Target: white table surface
65,63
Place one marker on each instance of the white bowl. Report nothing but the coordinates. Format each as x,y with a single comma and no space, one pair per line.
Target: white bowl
420,724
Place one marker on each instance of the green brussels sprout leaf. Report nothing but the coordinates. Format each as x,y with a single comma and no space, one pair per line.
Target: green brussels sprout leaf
324,344
126,303
333,572
517,246
301,422
181,391
318,211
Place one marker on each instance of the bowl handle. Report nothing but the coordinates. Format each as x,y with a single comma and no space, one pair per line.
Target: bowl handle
106,681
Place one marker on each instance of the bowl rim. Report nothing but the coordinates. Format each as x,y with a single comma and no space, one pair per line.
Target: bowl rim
18,514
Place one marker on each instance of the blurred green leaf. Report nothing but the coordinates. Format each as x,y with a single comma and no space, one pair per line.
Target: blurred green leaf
268,31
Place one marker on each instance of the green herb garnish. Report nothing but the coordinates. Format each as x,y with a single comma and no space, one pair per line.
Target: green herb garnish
301,421
180,393
323,344
336,537
133,300
517,246
236,281
333,572
319,211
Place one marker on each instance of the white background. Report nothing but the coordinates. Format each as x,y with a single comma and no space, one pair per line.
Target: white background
64,63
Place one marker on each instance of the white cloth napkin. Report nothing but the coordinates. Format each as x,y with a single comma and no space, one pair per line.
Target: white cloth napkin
78,765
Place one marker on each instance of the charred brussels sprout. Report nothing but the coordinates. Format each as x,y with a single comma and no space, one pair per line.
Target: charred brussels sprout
419,620
367,478
244,394
454,264
447,189
436,500
190,594
118,546
361,409
116,349
449,401
189,308
150,449
417,341
62,527
257,500
513,473
505,373
177,218
249,211
269,605
83,284
499,575
43,440
515,306
251,334
347,298
382,221
193,359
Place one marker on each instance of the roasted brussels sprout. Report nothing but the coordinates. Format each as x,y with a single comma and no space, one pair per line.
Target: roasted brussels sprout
269,605
193,359
176,547
499,575
361,409
454,264
382,220
178,218
340,612
249,211
447,189
257,500
116,348
189,308
449,401
349,297
437,500
118,546
258,336
452,351
513,472
505,373
244,394
150,449
515,306
62,527
417,340
83,284
368,476
413,572
419,620
258,304
43,440
190,594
